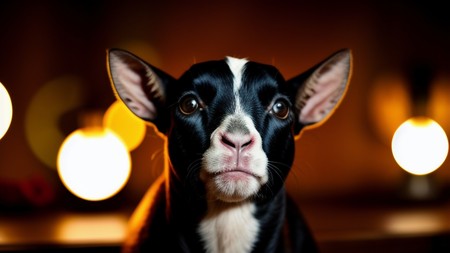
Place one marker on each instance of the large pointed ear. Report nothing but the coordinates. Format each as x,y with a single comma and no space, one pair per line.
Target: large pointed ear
142,87
320,89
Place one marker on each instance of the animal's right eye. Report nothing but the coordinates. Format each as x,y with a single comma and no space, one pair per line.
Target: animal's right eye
188,105
280,109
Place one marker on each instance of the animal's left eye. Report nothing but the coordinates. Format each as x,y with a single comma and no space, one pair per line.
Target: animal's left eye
280,109
188,105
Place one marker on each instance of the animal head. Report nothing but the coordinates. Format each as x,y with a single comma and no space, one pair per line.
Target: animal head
230,124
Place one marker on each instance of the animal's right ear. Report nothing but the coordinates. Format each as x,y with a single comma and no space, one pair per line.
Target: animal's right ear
142,87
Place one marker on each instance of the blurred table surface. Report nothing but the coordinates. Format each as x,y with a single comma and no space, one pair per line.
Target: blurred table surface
380,226
58,230
339,226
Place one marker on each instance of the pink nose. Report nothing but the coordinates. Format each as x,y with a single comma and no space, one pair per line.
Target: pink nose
236,141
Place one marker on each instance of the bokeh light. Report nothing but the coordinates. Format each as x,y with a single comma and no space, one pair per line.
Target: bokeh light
91,227
124,123
420,145
389,96
5,110
93,163
142,48
43,116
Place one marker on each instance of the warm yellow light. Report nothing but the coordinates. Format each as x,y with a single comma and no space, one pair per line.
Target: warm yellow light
414,222
125,124
420,146
93,163
5,110
91,228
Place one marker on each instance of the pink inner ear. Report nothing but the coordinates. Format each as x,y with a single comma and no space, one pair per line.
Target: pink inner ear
328,90
129,87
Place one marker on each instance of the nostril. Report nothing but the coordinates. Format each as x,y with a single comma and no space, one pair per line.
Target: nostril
246,144
227,142
236,142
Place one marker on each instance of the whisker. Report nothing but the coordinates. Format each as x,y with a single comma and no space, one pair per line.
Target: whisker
275,170
193,167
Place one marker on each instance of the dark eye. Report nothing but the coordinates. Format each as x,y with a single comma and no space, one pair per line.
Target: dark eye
280,109
188,105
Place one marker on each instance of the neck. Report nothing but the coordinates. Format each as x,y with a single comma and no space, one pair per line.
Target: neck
229,227
222,226
244,226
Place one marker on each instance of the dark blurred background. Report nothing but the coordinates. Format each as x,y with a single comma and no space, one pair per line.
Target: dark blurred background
47,43
53,63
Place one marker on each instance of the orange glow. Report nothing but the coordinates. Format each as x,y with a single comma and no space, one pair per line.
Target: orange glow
124,123
390,105
141,212
3,237
439,101
93,163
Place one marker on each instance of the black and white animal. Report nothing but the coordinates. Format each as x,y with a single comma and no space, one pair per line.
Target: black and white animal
230,128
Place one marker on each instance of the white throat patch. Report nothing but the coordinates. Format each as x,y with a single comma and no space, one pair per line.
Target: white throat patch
229,229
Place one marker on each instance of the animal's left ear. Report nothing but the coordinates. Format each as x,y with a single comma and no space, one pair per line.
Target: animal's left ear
320,89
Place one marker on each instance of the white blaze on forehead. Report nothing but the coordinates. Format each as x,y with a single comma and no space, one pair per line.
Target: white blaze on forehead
237,67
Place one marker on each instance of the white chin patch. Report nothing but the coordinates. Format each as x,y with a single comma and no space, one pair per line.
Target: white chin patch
233,188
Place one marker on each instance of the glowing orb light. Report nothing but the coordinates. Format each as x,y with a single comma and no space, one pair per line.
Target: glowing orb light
420,145
93,163
5,110
125,124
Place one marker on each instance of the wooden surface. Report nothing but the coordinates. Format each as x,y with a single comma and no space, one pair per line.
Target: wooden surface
380,226
339,226
57,231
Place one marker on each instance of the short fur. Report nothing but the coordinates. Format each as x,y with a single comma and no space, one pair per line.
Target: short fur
230,127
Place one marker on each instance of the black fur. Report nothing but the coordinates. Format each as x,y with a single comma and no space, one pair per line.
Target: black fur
176,205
